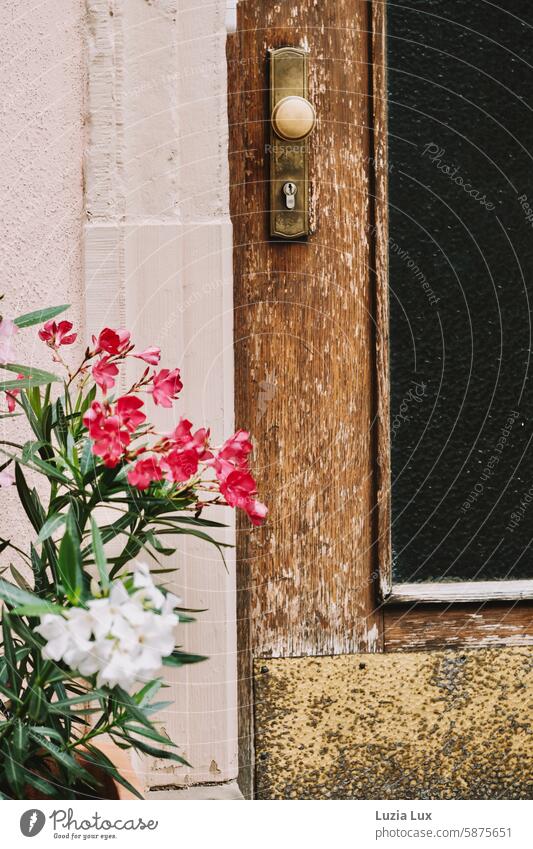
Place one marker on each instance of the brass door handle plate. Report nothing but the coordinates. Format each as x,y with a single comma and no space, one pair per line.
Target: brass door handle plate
292,119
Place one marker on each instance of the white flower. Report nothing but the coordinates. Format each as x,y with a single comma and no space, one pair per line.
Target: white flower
122,638
54,629
120,669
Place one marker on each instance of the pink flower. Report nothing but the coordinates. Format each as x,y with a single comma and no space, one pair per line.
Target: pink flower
236,449
182,437
222,468
150,356
181,465
256,512
182,433
7,478
114,342
10,396
145,472
237,488
165,387
129,412
94,418
104,373
110,437
8,329
57,334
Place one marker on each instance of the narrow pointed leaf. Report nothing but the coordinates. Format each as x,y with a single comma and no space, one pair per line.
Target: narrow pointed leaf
99,555
69,562
50,526
40,316
30,371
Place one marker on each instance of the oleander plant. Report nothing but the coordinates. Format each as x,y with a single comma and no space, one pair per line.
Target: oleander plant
88,622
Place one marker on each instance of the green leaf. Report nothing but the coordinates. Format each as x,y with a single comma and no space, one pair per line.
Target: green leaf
50,526
156,753
14,773
180,658
64,758
157,707
9,694
88,460
49,470
48,790
20,739
39,570
44,731
21,653
13,675
37,706
26,383
191,520
60,423
96,757
30,371
66,704
150,733
69,562
20,579
40,316
29,500
134,712
22,600
15,595
149,690
38,608
99,555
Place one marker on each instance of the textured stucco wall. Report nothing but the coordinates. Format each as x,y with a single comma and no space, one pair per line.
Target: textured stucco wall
436,725
42,89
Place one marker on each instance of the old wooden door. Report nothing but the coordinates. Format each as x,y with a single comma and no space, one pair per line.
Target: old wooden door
304,340
327,705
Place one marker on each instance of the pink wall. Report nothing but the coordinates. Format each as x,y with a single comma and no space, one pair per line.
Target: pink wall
41,142
42,91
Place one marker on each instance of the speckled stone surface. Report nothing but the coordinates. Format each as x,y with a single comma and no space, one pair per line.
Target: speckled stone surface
436,725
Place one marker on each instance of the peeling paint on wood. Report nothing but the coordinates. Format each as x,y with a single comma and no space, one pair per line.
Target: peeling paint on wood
445,725
428,627
303,324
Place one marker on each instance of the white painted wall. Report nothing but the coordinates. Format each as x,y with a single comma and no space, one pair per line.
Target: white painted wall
158,260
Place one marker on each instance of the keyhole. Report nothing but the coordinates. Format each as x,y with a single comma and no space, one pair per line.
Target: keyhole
289,190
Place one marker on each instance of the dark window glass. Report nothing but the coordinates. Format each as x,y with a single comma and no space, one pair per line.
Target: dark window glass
460,85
